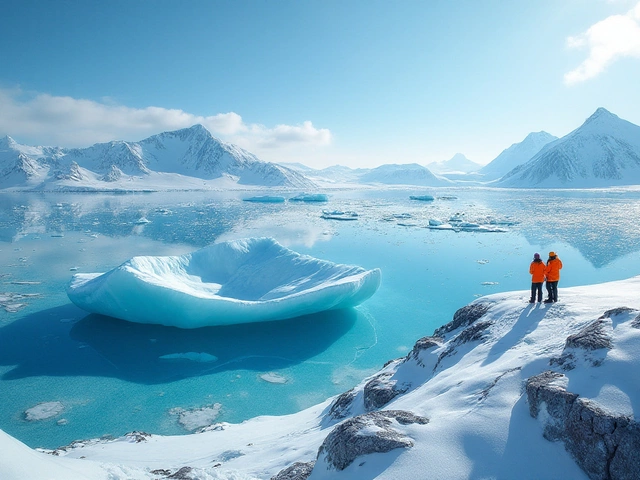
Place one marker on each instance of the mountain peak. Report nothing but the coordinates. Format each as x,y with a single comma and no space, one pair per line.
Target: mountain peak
601,114
7,141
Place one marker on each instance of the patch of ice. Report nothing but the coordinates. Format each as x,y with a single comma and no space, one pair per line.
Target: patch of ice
310,197
339,215
194,418
273,377
43,410
422,198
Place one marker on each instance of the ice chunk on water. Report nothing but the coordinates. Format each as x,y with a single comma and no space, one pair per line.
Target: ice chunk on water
44,410
265,199
273,377
310,197
241,281
422,198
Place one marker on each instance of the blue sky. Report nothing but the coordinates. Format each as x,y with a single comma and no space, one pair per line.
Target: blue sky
358,83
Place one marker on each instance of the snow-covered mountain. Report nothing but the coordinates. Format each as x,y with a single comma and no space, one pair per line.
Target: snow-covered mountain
517,154
407,174
604,151
456,164
174,159
506,389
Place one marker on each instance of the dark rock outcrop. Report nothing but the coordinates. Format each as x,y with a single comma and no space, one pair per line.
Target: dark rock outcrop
356,437
463,317
617,311
424,344
592,337
606,446
297,471
595,336
341,406
381,390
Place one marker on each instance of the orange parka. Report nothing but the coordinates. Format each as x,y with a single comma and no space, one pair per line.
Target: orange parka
552,271
536,269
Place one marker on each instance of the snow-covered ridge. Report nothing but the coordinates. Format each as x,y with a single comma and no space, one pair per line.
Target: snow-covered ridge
488,395
604,151
168,160
240,281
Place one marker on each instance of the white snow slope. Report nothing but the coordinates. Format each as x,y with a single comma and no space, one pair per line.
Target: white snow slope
517,154
469,383
603,152
184,159
240,281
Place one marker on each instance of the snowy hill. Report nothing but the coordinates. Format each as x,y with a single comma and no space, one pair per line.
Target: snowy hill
407,174
517,154
456,164
178,160
504,390
604,151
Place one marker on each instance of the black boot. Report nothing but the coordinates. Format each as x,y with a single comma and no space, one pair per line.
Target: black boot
548,300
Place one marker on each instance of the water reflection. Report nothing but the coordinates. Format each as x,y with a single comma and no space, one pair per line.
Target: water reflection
103,346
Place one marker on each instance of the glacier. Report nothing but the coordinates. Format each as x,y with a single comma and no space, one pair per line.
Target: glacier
239,281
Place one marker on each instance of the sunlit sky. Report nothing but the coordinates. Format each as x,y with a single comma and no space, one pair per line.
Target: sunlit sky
357,83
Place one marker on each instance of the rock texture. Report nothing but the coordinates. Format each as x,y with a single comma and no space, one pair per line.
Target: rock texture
606,446
368,433
422,345
297,471
463,317
381,390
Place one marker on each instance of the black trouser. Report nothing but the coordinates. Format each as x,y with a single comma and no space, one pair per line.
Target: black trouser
552,290
536,287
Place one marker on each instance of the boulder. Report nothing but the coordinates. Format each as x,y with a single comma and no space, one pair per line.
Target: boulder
371,432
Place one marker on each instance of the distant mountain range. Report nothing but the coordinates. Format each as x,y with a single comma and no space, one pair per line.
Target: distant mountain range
456,164
177,159
516,155
604,151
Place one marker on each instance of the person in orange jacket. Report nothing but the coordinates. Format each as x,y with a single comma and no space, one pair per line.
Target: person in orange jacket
536,269
552,272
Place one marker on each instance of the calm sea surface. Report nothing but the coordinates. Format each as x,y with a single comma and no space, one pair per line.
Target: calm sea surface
109,376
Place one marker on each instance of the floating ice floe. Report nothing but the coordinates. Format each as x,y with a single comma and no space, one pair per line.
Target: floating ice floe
273,377
339,215
142,221
457,224
43,411
240,281
194,418
422,198
265,199
310,197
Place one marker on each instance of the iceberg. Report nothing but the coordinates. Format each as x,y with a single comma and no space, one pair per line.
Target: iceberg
310,197
240,281
422,198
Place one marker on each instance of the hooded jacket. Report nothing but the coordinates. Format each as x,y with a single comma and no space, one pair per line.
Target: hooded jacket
536,269
552,271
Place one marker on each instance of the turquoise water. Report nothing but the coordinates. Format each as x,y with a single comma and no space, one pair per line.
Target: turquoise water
108,374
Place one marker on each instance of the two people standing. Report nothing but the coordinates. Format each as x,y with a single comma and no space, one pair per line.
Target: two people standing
539,272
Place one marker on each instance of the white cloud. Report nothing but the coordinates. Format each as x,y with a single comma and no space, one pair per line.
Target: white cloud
614,37
71,122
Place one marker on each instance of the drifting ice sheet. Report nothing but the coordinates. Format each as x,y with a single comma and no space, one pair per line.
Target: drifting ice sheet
241,281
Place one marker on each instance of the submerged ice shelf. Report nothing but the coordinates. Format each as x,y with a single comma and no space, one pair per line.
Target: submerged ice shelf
240,281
